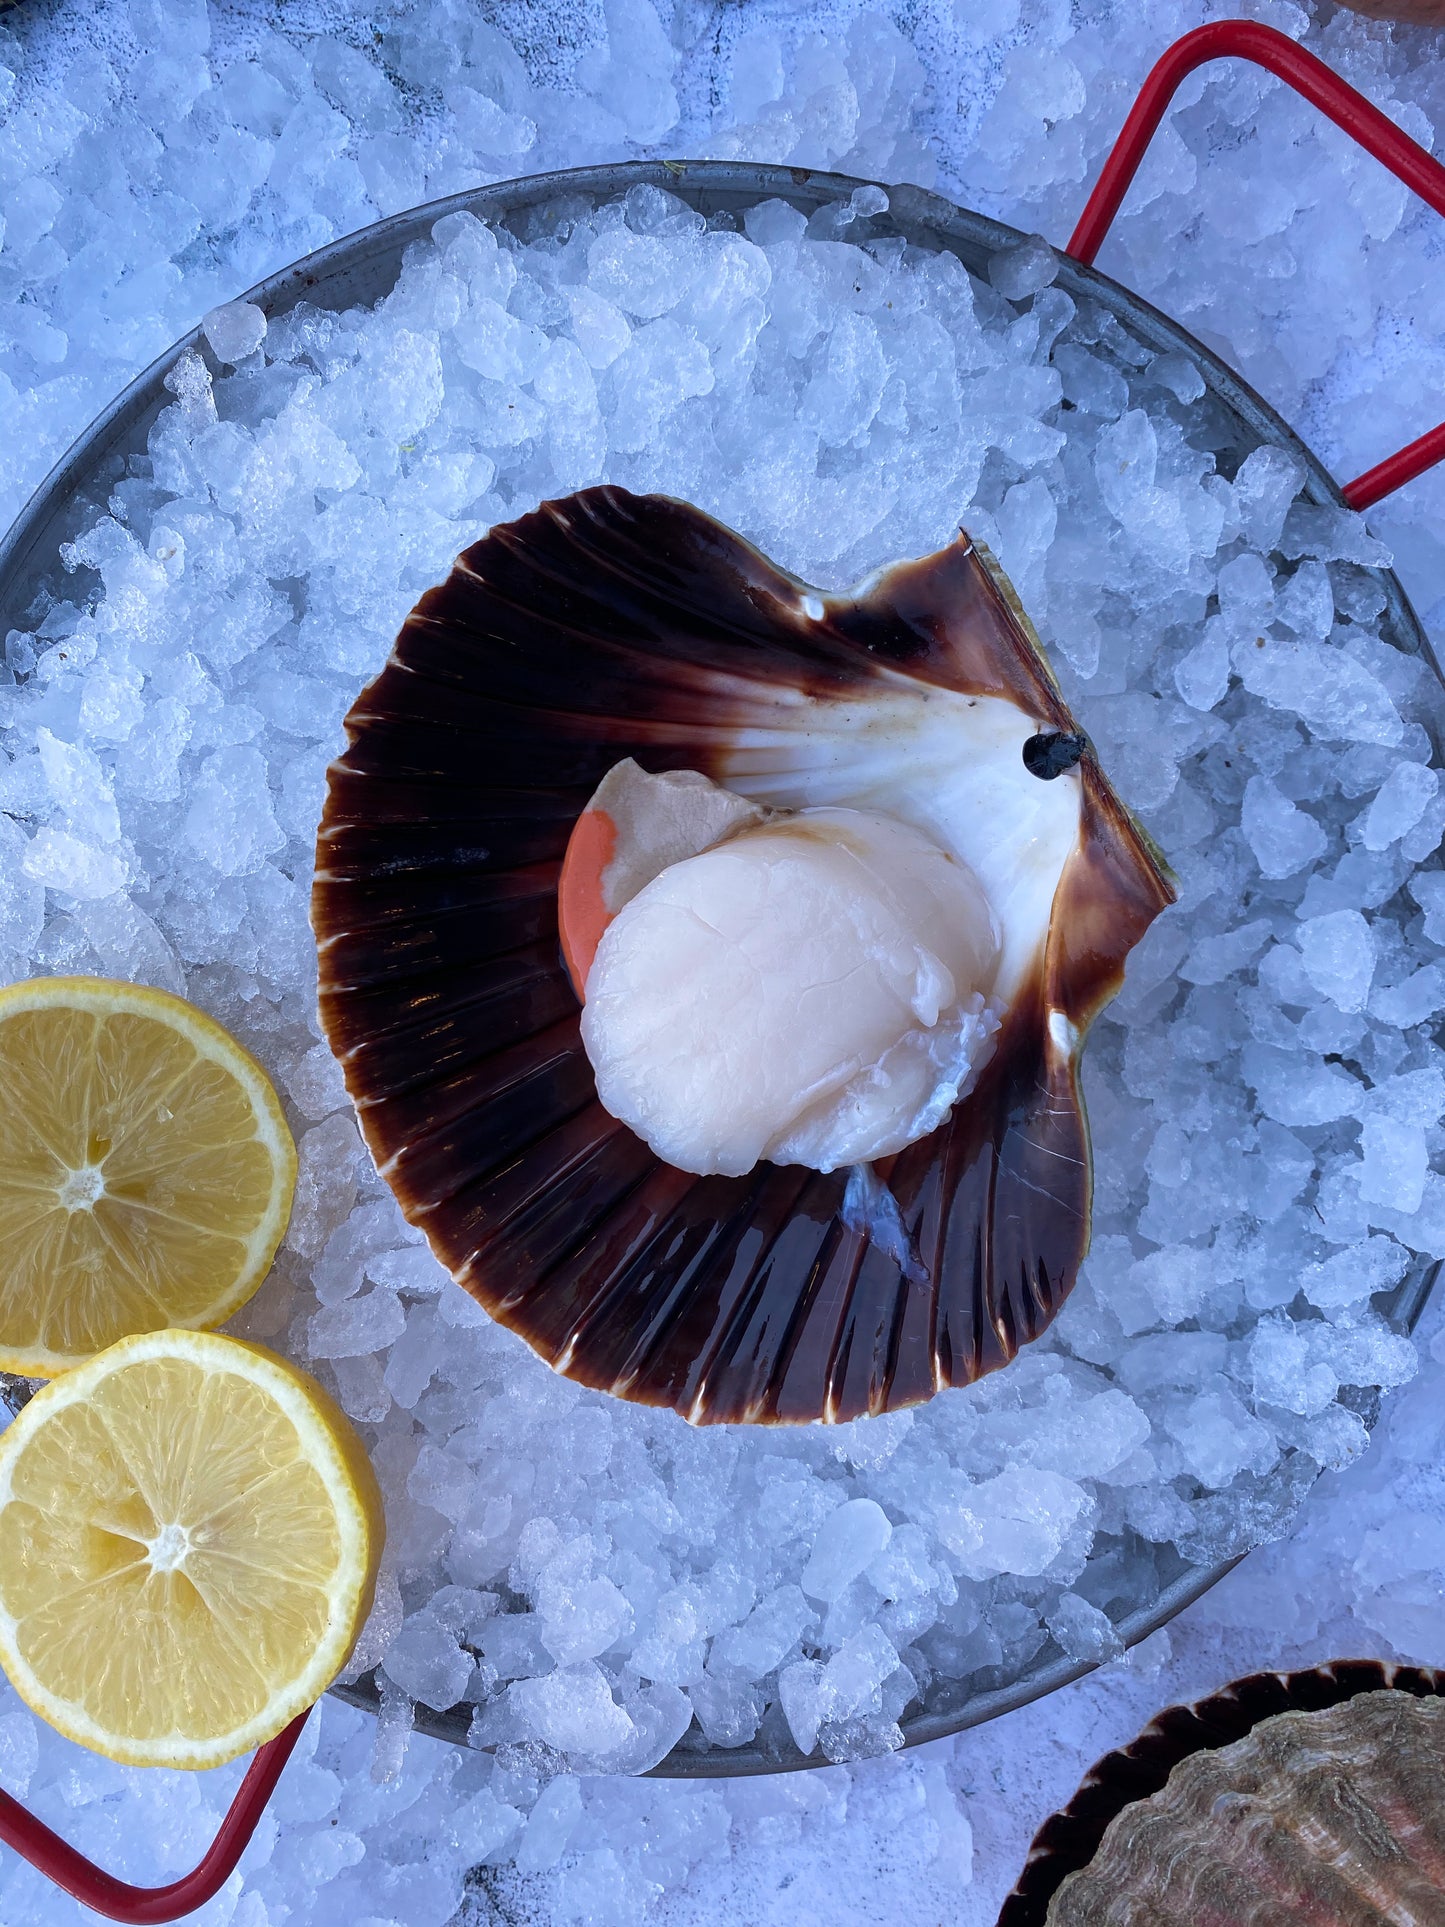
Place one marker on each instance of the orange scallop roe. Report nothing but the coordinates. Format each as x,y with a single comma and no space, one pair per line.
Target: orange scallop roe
582,912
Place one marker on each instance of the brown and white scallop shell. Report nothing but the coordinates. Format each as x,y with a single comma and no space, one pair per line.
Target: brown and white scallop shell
610,626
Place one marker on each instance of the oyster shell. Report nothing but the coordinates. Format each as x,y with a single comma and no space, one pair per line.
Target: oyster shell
608,626
1284,1801
1336,1816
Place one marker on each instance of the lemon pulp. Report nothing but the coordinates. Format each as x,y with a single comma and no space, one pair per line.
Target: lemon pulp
189,1536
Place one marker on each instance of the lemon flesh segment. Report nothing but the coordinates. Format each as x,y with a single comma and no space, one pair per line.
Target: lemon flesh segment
146,1169
189,1537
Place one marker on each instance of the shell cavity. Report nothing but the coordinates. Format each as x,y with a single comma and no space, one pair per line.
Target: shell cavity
606,627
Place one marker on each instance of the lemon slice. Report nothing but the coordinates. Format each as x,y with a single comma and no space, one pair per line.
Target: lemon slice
146,1170
189,1537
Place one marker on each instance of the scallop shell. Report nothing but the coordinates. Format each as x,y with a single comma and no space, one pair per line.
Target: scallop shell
1286,1800
605,626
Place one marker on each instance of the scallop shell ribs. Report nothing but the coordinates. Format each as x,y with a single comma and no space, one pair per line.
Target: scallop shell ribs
609,626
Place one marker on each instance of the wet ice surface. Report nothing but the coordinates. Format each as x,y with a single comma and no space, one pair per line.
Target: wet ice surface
1264,1096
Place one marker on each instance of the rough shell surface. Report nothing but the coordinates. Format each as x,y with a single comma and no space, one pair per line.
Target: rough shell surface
609,625
1414,13
1281,1801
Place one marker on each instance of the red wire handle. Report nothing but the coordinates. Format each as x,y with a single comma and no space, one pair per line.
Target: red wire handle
145,1906
1323,88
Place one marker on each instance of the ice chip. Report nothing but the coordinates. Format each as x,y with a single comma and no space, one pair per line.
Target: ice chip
843,396
1394,1162
1283,837
600,329
1428,890
1088,382
1297,1088
79,788
550,1825
230,822
1339,957
757,74
1128,453
1218,1437
1286,1373
1027,521
1024,270
316,1085
1306,603
1351,1276
1399,804
1268,480
580,1618
234,330
130,944
73,866
1331,535
395,1719
1180,376
19,1752
573,1709
22,894
851,1680
1082,1630
1202,676
426,1662
481,1827
1335,695
190,382
1246,591
1412,1001
1016,1522
631,73
1213,959
362,1324
846,1542
800,1693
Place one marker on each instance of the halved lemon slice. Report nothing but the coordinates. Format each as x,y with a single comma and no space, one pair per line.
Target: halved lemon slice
146,1170
189,1537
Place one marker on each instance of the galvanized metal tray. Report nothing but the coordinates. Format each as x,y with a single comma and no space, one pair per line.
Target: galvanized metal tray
361,269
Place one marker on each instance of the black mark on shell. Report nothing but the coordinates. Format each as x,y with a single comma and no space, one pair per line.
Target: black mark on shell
1053,751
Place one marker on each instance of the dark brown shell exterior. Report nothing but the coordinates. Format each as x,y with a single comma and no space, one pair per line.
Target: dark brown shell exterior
610,625
1285,1800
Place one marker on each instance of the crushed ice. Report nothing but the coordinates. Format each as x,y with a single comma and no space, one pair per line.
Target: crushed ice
1265,1096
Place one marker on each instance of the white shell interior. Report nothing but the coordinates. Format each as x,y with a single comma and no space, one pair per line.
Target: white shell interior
951,766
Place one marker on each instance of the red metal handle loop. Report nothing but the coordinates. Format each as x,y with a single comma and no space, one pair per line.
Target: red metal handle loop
147,1906
1323,88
